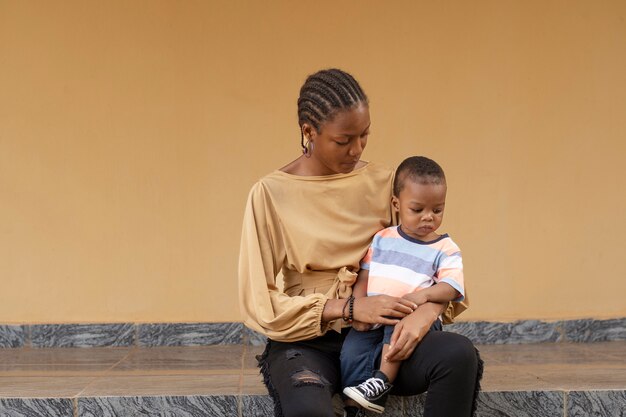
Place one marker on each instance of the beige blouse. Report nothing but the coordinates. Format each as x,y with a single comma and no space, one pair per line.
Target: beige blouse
315,230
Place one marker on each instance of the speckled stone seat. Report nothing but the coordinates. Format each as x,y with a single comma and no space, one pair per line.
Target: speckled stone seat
531,379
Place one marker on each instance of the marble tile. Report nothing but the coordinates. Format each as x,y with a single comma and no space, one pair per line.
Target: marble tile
261,405
525,331
43,386
199,334
596,403
581,377
82,335
62,361
503,404
250,363
257,406
12,336
9,355
520,404
414,405
512,378
544,353
53,369
163,385
253,385
189,334
40,407
589,330
253,338
71,356
196,359
611,350
534,331
165,406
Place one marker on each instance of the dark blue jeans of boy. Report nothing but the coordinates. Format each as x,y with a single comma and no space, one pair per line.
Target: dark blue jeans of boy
361,353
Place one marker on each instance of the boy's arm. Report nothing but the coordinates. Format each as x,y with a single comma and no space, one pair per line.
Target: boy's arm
448,277
438,293
359,289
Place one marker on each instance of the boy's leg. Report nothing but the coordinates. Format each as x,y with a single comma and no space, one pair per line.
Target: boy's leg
359,354
369,390
302,377
390,369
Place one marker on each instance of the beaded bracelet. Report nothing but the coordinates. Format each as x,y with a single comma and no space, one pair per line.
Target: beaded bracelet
350,304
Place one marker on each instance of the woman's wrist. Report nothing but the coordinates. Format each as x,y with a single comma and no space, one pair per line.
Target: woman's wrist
347,312
430,310
332,309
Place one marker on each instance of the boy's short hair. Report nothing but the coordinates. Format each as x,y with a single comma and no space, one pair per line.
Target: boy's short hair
419,169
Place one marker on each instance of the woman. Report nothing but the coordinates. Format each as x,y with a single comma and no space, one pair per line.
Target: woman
312,221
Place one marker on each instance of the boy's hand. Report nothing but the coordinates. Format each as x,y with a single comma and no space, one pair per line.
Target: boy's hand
416,297
410,331
360,326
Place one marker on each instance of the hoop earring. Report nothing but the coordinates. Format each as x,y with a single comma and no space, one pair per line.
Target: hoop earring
306,148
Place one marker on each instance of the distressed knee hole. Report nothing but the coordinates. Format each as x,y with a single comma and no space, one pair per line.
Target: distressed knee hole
306,377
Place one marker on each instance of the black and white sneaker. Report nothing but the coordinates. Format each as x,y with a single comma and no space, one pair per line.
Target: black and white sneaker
371,394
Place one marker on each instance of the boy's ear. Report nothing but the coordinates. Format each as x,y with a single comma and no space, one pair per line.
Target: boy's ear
395,203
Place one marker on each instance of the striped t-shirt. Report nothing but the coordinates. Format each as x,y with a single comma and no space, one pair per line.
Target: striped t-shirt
399,264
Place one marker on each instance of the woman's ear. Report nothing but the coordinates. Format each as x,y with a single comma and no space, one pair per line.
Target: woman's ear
308,131
395,203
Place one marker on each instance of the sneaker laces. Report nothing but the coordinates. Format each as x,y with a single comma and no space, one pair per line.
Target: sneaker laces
373,386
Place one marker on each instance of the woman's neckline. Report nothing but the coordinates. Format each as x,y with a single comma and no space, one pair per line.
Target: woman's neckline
325,177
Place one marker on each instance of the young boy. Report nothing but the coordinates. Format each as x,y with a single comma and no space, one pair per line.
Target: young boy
411,261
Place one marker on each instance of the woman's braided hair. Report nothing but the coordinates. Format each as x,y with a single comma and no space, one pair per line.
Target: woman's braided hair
324,94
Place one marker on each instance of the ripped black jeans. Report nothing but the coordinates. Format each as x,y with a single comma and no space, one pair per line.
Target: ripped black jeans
302,377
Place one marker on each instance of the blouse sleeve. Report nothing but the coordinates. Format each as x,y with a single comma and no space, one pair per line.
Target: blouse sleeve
264,308
454,309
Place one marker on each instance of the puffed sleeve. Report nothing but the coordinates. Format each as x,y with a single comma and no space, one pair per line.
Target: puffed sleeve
454,309
264,308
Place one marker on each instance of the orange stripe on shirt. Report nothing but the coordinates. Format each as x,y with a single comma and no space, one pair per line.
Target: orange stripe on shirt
384,285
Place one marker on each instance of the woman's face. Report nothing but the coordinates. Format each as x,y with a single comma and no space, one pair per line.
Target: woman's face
337,147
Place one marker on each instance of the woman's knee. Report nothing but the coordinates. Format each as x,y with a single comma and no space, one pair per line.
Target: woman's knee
296,382
451,352
307,401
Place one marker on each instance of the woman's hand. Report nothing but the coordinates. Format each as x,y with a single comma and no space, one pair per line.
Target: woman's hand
382,309
411,330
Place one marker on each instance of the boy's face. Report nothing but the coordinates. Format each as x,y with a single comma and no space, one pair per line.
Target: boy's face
420,207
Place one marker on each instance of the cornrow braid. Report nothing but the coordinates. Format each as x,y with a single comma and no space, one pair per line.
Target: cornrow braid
325,93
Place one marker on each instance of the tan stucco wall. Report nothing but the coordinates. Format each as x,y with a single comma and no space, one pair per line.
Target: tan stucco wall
130,133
